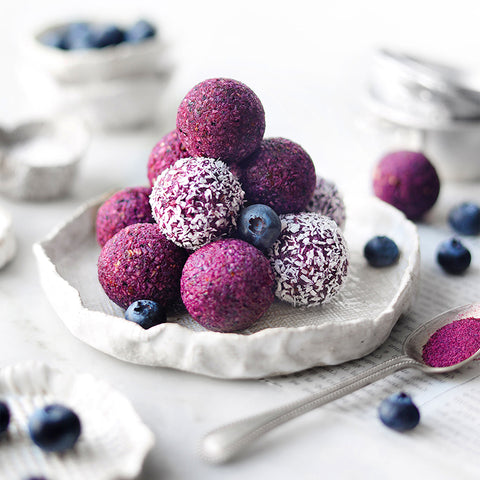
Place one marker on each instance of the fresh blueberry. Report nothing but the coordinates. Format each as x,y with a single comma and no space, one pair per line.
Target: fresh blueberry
381,251
465,218
140,31
259,225
4,417
399,412
54,428
55,39
107,35
79,36
453,257
146,313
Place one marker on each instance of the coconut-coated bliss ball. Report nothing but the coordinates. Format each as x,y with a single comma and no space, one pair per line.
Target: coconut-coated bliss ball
164,154
327,200
139,263
196,201
279,174
408,181
123,208
310,259
221,118
227,285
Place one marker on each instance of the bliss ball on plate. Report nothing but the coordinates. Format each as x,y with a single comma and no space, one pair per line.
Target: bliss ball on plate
227,285
196,201
408,181
327,200
164,154
310,259
221,118
123,208
139,263
279,174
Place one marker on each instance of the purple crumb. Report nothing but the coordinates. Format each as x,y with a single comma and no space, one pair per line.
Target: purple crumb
279,174
139,263
408,181
123,208
221,118
164,154
227,285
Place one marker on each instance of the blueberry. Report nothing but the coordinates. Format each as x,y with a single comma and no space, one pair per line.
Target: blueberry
399,412
381,251
146,313
79,36
259,225
4,417
55,39
465,218
54,428
107,35
453,257
140,31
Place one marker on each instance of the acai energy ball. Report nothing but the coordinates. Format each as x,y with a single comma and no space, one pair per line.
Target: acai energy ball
310,259
196,201
221,118
139,263
123,208
408,181
227,285
279,174
164,154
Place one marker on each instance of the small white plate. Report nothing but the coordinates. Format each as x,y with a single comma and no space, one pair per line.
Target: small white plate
113,442
285,340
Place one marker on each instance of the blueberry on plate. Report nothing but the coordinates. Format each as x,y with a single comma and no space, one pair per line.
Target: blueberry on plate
140,31
55,39
465,218
453,257
381,251
79,36
54,428
4,417
107,35
146,313
399,412
259,225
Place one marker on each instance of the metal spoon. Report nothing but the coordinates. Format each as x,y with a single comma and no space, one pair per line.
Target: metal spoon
225,442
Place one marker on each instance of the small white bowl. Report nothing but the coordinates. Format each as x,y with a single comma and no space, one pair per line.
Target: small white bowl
39,159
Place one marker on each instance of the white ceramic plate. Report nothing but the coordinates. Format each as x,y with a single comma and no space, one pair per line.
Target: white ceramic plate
286,340
113,442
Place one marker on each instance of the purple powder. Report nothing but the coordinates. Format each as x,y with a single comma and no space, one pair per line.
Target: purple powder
453,343
164,154
221,118
227,285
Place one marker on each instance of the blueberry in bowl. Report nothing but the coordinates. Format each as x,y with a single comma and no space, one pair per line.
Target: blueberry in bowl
4,417
465,218
259,225
398,412
381,251
145,313
453,256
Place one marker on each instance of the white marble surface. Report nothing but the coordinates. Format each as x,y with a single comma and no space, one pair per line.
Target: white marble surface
307,62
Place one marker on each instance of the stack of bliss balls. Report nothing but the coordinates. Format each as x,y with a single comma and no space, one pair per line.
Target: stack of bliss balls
230,221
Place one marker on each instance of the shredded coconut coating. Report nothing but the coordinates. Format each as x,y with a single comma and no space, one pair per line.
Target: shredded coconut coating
123,208
139,263
164,154
327,200
221,118
227,285
279,174
310,259
196,201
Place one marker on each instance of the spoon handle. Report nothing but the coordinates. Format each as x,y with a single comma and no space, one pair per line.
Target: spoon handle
225,442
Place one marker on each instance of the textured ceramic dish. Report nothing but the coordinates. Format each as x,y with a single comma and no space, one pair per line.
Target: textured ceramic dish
113,443
286,340
8,243
39,160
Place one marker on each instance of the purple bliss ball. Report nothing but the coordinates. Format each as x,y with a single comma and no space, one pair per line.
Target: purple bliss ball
310,259
164,154
227,285
279,174
221,118
123,208
139,263
408,181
